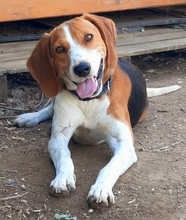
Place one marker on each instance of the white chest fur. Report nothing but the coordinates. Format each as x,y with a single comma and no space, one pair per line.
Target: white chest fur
88,119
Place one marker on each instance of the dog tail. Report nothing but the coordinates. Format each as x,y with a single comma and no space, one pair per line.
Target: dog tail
163,90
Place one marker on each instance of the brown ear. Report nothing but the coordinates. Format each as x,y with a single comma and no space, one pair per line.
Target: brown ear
40,66
107,30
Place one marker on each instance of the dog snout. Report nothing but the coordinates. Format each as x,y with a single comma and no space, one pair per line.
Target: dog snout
82,69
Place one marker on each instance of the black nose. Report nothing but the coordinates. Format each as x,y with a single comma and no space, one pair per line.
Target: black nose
82,69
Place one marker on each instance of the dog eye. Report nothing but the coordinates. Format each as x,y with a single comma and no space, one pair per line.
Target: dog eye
60,49
88,37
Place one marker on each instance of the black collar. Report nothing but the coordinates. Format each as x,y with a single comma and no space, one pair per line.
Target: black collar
105,88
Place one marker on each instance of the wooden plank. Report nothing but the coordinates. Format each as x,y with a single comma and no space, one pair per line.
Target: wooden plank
177,10
150,32
16,47
13,56
127,39
180,11
152,47
13,66
13,10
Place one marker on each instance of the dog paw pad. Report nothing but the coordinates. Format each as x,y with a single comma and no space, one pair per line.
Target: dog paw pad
98,198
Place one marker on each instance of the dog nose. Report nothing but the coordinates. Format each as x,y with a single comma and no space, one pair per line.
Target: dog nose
82,69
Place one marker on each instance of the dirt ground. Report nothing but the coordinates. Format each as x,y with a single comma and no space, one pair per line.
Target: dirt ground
152,189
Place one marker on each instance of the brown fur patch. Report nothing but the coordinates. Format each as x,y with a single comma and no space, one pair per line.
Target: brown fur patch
119,96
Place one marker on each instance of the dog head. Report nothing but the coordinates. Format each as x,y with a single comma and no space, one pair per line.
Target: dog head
78,55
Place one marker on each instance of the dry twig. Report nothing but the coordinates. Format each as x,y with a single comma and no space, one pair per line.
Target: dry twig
41,100
12,197
7,117
49,100
15,109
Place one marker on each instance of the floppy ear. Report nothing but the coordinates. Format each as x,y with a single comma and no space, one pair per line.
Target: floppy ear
40,66
107,30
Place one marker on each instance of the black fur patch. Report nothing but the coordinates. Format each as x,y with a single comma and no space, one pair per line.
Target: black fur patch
138,100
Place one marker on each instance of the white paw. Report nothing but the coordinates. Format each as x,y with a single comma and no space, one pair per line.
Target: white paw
27,120
63,184
100,196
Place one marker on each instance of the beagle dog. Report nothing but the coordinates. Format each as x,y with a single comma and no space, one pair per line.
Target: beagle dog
97,98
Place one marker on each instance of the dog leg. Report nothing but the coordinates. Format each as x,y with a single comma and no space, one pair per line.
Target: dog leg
63,127
34,118
64,181
100,194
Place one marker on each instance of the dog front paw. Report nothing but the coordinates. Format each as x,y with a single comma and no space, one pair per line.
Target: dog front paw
62,186
100,197
27,120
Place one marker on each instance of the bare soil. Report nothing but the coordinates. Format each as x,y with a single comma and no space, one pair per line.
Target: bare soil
152,189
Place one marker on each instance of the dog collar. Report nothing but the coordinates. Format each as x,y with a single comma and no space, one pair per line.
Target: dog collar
106,87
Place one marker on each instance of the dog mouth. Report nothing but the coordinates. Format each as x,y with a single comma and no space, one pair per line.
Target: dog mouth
91,87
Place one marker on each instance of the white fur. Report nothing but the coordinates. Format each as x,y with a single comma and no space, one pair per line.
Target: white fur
162,90
90,124
34,118
70,115
119,138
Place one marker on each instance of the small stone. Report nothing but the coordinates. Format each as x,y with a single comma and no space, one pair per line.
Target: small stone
147,58
27,211
150,71
20,211
24,201
23,186
46,209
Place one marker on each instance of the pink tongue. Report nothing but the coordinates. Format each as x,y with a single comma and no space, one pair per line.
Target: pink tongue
86,88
